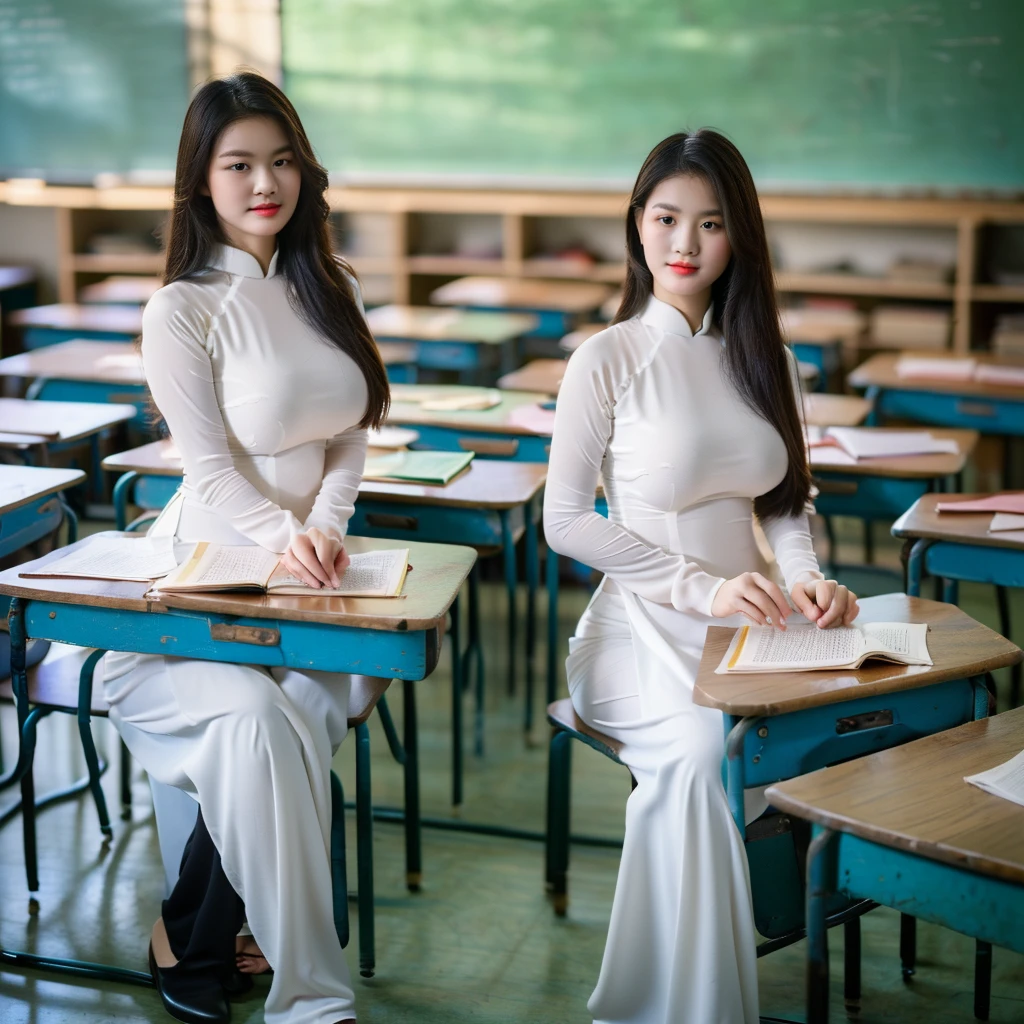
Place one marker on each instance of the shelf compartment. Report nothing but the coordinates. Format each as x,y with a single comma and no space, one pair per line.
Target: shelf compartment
859,284
455,265
126,263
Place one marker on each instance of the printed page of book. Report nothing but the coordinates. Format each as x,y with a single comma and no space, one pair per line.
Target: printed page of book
114,557
806,648
1005,780
369,574
222,567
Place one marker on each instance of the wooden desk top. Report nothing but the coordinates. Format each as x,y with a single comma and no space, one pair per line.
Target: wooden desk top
903,467
522,293
823,410
485,483
804,326
59,421
405,410
70,316
921,520
428,323
158,458
20,485
122,288
880,371
438,572
109,362
913,797
16,277
537,375
959,646
574,339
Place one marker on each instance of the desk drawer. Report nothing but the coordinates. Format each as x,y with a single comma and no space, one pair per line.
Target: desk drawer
867,497
431,523
487,445
989,416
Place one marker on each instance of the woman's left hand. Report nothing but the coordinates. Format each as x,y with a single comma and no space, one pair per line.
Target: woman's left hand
317,558
825,602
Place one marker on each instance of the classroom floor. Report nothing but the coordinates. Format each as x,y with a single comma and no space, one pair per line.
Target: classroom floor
480,943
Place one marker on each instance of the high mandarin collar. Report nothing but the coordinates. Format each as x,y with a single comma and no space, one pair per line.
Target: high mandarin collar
668,319
241,263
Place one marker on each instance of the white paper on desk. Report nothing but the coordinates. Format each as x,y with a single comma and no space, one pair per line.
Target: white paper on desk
872,443
829,455
120,360
989,373
925,368
114,557
533,418
1004,522
1005,780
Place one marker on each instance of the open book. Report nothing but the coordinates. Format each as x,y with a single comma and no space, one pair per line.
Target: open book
112,556
807,648
417,467
1005,780
1004,522
873,443
211,567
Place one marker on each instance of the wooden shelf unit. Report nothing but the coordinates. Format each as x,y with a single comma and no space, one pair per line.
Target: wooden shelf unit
408,273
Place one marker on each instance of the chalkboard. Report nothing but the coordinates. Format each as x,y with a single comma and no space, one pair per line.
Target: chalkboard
90,87
818,94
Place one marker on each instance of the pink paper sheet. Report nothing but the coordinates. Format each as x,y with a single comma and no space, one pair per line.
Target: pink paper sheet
1011,502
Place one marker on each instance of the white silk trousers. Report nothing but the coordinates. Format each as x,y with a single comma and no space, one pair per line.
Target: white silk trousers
254,745
681,941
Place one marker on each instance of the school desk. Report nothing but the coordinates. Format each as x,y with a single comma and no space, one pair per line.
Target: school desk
47,325
824,355
957,546
474,343
780,725
120,290
31,505
987,408
904,829
558,305
572,341
489,506
397,638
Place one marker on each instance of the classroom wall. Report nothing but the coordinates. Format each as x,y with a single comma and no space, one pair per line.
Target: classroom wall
28,237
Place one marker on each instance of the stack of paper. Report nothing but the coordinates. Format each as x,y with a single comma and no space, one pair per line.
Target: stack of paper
1012,502
1005,780
871,443
925,368
1008,376
1004,522
113,557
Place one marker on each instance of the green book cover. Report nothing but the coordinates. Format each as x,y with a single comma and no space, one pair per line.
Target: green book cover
418,467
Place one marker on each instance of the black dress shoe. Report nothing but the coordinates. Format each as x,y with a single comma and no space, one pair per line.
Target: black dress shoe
190,996
236,984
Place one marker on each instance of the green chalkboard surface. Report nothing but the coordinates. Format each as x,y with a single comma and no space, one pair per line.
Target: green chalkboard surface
819,94
90,87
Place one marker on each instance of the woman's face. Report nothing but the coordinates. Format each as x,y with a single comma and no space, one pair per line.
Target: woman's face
254,181
683,235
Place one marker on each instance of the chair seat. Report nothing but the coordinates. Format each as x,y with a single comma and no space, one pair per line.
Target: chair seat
54,681
363,697
562,715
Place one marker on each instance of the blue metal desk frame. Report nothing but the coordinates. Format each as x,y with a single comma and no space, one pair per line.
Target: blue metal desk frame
947,409
986,908
476,362
407,655
826,357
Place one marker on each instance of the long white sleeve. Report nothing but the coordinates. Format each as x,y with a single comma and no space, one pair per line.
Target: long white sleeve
583,424
790,538
180,376
344,460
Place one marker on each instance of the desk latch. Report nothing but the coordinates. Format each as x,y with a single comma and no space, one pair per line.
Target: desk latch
262,636
868,720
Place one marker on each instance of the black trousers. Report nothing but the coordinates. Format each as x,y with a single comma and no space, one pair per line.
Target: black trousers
203,913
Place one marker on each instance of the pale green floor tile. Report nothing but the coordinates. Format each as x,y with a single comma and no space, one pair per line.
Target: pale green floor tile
480,943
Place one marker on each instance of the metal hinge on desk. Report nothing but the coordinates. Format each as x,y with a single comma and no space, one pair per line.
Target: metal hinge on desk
263,636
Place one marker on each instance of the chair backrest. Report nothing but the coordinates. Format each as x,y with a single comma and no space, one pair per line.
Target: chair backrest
562,715
363,697
54,681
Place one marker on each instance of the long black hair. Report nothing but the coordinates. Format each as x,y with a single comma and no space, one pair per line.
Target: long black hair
317,285
746,309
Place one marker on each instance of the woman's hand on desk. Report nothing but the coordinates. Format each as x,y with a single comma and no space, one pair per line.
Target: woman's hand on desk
825,602
754,596
317,558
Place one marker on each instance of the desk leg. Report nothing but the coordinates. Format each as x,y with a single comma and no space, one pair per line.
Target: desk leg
915,566
364,853
982,978
820,883
509,558
908,945
532,579
1002,598
874,395
851,964
458,664
413,839
124,486
475,654
735,776
551,572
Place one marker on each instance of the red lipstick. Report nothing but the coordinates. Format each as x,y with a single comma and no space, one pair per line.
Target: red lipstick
266,209
683,269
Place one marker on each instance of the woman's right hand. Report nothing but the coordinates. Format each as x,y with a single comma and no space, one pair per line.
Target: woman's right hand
317,558
754,596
